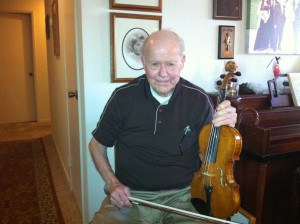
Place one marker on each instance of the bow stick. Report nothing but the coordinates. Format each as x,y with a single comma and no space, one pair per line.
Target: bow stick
177,211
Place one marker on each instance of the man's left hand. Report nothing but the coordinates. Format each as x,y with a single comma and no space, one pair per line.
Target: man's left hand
225,115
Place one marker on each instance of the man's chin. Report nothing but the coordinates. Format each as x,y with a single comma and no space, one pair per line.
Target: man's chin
164,92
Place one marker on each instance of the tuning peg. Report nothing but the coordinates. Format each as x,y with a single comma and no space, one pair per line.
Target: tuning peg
219,82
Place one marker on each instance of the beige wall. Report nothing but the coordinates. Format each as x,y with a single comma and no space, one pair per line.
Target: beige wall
36,9
58,87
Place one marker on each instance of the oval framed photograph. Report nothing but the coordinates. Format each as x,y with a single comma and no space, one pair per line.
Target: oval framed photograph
131,47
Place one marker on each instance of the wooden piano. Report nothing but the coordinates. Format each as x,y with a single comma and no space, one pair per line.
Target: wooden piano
269,167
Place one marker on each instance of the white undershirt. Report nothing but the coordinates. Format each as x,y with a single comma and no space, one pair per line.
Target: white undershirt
161,99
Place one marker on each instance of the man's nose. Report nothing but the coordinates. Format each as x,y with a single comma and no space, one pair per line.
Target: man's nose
163,70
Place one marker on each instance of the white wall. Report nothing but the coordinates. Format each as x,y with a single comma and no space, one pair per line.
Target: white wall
192,19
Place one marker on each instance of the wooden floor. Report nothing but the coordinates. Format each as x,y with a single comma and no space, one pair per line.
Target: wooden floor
28,130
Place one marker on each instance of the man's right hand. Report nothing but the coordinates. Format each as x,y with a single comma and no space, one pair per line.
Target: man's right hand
119,195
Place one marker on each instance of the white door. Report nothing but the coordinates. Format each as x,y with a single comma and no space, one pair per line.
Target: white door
71,72
16,69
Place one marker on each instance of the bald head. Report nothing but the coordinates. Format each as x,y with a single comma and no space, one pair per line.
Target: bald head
163,60
162,37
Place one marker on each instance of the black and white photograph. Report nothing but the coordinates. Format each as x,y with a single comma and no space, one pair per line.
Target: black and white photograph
131,47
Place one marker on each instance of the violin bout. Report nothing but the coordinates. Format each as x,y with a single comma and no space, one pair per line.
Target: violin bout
214,190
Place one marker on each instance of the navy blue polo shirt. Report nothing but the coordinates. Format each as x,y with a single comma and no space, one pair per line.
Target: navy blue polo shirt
156,145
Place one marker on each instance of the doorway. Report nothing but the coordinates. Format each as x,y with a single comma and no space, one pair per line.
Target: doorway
17,91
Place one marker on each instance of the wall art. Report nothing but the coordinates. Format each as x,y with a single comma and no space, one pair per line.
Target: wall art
273,27
227,9
128,32
226,42
145,5
55,28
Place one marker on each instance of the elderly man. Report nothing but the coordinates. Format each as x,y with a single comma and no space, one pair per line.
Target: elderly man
154,123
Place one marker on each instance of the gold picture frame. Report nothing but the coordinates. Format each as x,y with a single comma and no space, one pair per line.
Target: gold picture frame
128,31
145,5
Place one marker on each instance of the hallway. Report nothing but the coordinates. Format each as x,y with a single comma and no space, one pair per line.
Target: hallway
30,130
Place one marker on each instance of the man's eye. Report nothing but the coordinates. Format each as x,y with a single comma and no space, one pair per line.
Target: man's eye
170,65
155,64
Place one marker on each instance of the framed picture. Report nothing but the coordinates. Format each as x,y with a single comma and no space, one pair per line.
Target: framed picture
145,5
226,42
55,27
227,9
273,27
128,32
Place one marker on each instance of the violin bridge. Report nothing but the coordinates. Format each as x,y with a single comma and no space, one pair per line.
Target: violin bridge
208,174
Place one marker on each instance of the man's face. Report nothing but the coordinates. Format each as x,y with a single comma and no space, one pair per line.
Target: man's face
163,64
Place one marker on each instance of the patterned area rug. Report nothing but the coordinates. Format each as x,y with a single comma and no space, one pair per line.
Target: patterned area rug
26,190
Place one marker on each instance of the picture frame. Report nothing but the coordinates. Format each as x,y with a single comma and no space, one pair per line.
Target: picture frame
128,31
227,9
226,42
145,5
55,28
264,35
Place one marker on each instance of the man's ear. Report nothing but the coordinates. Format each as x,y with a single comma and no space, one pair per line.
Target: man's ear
183,60
143,60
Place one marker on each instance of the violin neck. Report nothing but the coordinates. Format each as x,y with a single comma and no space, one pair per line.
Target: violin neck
221,96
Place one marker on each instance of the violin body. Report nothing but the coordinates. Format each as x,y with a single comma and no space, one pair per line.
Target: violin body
214,190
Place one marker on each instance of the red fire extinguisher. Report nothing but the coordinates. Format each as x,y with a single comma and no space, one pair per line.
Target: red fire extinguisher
276,66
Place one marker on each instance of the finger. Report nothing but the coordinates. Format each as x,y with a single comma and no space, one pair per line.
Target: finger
223,105
225,119
120,198
116,201
126,195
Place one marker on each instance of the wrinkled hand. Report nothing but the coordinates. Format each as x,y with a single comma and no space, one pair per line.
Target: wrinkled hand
225,115
119,195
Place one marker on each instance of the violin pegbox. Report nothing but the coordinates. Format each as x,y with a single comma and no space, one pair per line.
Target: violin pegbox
229,81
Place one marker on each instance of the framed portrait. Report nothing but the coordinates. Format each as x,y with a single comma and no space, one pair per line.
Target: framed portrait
226,42
128,32
273,27
145,5
55,27
227,9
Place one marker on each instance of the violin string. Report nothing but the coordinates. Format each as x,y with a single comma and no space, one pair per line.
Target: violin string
209,151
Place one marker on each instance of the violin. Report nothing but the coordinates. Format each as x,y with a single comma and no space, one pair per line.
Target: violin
214,190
